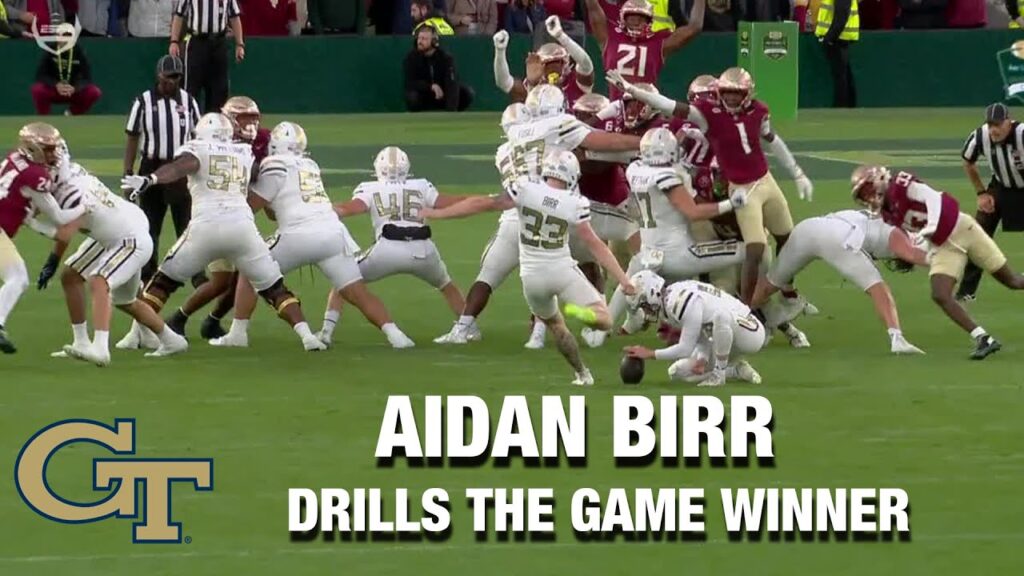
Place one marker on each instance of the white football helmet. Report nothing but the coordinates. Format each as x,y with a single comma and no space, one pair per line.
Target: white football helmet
562,166
659,147
648,292
391,165
214,127
545,101
288,138
513,114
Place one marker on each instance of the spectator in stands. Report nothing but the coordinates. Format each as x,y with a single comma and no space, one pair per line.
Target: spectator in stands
101,17
423,13
43,12
524,16
269,17
838,26
431,82
721,15
1013,9
923,14
150,18
7,30
65,78
564,9
878,14
966,14
473,16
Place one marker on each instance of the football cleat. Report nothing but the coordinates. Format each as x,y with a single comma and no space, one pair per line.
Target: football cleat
584,378
313,344
6,346
742,370
400,340
132,339
174,346
536,341
325,337
594,338
797,339
457,335
235,340
147,339
210,329
984,347
966,298
810,309
88,353
901,346
714,379
59,354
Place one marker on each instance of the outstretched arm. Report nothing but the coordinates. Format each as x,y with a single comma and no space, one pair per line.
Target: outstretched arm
683,35
470,206
662,104
901,247
598,23
584,65
45,203
351,208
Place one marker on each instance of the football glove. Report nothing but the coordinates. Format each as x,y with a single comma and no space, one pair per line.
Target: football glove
48,271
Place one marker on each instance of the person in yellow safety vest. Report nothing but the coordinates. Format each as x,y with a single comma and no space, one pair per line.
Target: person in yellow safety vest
1015,8
839,25
662,18
422,13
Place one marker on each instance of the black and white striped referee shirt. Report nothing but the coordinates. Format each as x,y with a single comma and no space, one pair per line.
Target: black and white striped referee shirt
164,123
1006,158
207,16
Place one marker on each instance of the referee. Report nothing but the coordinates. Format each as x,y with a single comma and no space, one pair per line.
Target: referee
1001,141
206,60
161,120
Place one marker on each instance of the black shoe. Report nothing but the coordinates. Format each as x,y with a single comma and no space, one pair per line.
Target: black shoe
965,298
985,346
211,329
177,323
6,346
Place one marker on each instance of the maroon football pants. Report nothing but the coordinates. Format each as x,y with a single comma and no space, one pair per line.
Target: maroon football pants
45,96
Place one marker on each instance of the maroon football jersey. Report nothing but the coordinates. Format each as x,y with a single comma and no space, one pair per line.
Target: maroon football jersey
604,182
261,145
637,59
694,151
710,188
736,139
570,88
18,172
899,210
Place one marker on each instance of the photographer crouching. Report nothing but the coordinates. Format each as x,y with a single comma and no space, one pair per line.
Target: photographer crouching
430,78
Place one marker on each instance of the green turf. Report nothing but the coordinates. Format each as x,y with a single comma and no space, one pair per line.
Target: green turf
847,414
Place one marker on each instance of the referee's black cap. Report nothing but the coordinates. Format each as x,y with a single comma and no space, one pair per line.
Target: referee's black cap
996,113
170,66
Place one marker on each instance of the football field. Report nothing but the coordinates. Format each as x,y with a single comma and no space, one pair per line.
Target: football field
847,414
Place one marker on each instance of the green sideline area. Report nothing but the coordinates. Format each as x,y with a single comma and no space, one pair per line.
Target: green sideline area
847,414
364,74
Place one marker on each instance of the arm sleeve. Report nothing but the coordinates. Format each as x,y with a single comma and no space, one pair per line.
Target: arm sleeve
502,76
668,181
134,124
182,8
697,118
610,111
971,149
233,11
583,210
46,204
784,156
929,197
584,65
273,175
690,316
840,15
430,193
363,193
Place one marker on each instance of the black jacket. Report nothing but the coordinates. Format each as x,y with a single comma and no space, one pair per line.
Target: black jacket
49,71
421,70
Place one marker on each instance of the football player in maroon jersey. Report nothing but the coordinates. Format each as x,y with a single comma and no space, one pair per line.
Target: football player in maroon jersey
223,277
631,48
735,124
565,64
627,115
934,221
26,186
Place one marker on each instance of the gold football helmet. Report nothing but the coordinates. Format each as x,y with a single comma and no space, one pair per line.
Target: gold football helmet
868,184
701,85
735,88
244,112
591,103
636,8
38,142
635,112
555,60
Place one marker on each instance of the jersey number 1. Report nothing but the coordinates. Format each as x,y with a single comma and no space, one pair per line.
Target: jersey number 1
632,60
6,180
744,141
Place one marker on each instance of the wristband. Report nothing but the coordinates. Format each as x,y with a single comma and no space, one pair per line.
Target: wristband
175,42
725,206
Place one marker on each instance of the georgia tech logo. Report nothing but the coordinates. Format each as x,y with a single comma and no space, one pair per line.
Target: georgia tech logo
120,476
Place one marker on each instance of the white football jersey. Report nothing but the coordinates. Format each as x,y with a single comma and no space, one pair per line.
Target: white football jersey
503,161
397,203
662,225
108,218
546,217
679,296
220,187
531,141
296,193
868,233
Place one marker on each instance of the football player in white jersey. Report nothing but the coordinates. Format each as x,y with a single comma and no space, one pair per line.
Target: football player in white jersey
552,129
548,212
222,224
665,201
501,256
692,307
847,240
308,233
403,245
110,260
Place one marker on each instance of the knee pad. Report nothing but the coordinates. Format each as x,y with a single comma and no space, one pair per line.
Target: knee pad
278,296
159,287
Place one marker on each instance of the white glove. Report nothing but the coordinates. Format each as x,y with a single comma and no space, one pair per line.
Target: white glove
136,185
501,40
804,187
554,26
614,77
738,198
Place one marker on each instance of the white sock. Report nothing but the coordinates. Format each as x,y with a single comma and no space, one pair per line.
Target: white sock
539,327
81,332
978,333
167,335
239,326
331,318
467,321
101,339
391,330
302,329
617,305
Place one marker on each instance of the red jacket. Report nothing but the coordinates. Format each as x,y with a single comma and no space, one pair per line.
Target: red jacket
267,17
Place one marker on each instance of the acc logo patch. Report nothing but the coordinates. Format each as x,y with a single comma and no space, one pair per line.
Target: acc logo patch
120,477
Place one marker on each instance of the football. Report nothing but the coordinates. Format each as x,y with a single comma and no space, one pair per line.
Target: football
631,370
